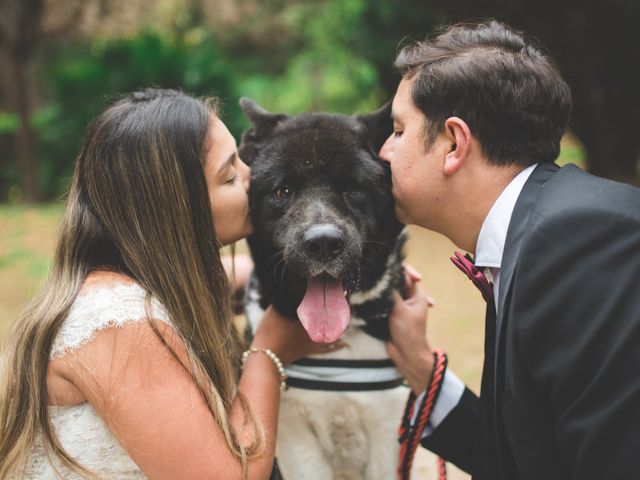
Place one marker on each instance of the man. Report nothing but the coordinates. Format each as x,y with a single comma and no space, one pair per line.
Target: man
478,117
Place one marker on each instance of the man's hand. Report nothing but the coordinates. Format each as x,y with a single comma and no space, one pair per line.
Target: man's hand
408,347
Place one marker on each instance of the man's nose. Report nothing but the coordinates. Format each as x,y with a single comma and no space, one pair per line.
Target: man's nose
386,151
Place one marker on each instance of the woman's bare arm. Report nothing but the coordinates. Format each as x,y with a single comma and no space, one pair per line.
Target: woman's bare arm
152,406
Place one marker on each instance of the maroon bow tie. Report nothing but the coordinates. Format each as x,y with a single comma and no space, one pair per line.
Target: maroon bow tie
465,264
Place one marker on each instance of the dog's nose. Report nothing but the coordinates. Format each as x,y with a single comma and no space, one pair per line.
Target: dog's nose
323,242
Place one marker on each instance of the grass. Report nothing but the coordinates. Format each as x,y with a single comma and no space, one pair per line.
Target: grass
26,246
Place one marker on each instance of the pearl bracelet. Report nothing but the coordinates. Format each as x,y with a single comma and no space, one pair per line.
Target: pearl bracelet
276,361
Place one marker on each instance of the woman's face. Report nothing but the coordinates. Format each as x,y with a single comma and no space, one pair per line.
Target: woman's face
227,180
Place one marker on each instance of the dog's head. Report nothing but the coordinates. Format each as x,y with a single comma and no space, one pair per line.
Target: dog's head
322,210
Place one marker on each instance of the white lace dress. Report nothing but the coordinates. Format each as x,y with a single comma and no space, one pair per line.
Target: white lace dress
81,431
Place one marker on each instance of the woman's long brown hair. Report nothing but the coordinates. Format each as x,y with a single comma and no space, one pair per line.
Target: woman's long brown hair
138,205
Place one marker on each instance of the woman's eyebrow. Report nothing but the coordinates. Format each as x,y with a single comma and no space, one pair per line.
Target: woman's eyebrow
227,162
395,116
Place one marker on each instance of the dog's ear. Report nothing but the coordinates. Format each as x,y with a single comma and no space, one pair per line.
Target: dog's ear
263,122
377,126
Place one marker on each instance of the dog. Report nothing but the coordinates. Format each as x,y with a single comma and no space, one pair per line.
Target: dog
328,251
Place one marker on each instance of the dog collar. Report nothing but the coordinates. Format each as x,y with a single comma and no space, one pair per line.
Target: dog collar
343,375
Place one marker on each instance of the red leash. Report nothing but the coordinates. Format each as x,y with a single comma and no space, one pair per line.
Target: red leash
409,435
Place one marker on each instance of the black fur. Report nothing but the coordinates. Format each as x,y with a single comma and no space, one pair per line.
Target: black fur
322,169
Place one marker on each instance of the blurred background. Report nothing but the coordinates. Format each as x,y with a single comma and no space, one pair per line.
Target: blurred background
62,61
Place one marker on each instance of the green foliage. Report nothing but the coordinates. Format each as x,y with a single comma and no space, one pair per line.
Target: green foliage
289,55
82,79
322,60
571,152
8,122
315,82
338,54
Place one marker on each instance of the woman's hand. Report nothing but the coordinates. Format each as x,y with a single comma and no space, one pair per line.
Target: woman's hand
408,347
287,338
238,269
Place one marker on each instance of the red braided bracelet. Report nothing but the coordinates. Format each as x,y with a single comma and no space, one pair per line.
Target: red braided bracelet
409,435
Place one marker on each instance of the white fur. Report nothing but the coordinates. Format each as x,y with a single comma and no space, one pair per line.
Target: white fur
324,435
339,435
358,298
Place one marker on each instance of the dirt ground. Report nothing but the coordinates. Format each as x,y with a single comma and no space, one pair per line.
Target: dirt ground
27,237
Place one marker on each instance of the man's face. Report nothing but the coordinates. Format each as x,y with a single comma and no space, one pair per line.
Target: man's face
416,173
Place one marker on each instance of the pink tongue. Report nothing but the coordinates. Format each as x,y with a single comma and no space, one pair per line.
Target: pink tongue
324,312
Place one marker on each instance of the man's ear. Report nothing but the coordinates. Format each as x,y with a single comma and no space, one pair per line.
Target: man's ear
376,126
459,135
263,121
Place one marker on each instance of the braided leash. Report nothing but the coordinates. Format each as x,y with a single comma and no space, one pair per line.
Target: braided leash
409,435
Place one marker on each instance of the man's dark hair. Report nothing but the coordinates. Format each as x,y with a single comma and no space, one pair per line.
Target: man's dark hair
499,82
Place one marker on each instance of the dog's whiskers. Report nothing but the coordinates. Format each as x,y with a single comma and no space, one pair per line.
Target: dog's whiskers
378,243
280,263
275,256
372,251
365,258
284,268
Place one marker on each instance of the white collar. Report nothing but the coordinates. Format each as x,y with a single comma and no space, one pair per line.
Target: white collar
493,233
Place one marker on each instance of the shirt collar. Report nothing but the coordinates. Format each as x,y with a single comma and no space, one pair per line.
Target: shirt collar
493,233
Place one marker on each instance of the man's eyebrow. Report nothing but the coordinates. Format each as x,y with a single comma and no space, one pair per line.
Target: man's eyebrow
227,162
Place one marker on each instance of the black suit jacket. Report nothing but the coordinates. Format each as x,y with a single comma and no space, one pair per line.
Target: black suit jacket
566,369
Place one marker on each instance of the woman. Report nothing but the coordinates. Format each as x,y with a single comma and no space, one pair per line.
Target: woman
126,364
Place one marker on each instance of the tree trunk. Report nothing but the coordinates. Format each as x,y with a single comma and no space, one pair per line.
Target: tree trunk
16,92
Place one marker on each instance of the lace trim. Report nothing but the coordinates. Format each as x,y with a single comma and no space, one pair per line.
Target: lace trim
102,308
86,438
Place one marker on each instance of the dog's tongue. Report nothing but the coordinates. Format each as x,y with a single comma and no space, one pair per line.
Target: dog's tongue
324,312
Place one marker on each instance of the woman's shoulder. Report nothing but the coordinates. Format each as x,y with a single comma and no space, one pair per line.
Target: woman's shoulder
106,299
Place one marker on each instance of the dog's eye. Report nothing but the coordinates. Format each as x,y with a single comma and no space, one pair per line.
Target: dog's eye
356,194
355,198
284,192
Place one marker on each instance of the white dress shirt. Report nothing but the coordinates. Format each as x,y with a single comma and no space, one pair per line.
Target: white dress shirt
489,249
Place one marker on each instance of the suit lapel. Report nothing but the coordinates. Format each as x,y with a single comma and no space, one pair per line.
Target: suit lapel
515,234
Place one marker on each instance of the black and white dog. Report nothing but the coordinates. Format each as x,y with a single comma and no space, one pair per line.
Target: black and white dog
328,251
